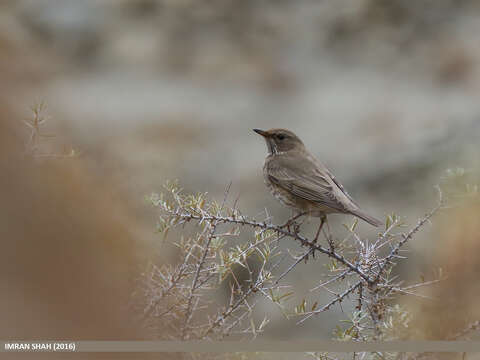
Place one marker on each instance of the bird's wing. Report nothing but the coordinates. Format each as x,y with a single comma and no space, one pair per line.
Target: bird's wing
340,186
309,180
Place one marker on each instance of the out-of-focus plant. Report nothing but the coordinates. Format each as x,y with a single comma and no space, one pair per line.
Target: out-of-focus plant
37,136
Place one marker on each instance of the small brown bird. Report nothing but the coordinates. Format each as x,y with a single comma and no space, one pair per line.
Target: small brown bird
298,180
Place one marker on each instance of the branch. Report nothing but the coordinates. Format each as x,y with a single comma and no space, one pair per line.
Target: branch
242,220
408,236
338,299
189,312
211,235
292,266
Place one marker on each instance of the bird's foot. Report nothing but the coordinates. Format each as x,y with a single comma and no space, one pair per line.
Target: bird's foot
292,223
294,228
289,225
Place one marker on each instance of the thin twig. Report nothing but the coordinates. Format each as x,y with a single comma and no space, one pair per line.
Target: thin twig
408,236
290,268
262,225
189,312
338,299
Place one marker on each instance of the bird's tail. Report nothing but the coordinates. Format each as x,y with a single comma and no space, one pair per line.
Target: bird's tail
370,219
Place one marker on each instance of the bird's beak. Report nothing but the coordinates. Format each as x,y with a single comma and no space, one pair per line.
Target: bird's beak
261,132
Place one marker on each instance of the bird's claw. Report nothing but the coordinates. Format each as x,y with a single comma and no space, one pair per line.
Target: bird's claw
292,226
293,223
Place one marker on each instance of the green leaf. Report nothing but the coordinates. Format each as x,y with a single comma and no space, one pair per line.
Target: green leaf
388,222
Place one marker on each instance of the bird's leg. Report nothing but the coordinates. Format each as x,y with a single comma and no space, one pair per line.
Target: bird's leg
323,218
329,237
291,221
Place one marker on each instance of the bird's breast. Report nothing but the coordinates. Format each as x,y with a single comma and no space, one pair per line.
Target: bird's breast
283,195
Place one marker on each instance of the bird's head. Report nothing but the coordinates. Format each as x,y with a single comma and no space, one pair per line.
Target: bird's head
280,140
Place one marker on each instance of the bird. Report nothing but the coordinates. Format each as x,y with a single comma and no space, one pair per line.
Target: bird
300,181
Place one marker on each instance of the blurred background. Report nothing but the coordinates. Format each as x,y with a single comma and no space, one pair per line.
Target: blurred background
386,93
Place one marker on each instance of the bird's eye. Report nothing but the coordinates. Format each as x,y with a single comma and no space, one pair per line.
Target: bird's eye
280,137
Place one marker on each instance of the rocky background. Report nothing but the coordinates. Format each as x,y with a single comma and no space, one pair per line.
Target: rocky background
386,93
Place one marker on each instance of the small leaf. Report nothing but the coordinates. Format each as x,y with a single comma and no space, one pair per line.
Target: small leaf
354,225
285,295
388,222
